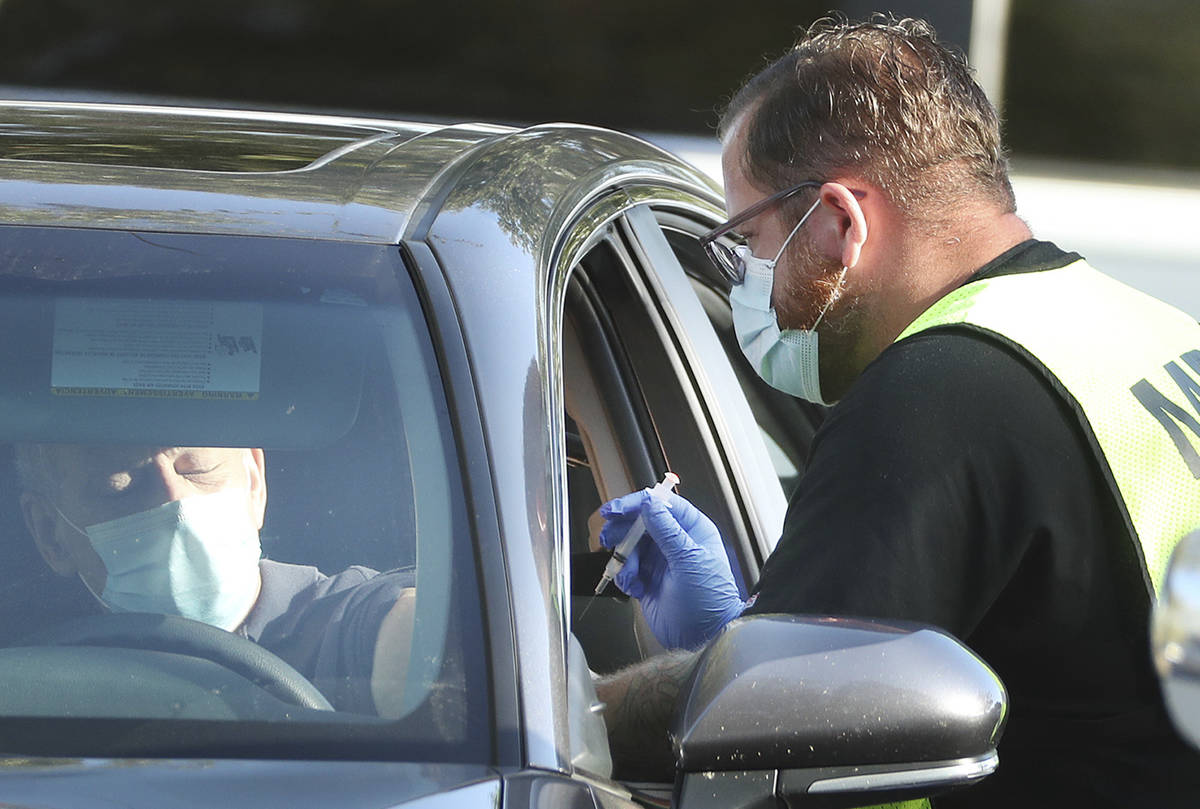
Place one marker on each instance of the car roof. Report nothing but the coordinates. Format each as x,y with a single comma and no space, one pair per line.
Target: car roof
185,170
216,171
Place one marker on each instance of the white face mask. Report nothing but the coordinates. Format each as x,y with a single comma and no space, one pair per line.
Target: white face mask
196,557
785,360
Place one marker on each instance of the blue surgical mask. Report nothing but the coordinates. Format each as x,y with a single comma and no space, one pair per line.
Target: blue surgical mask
196,557
786,360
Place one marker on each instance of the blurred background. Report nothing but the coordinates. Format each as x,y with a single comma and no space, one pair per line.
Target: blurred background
1101,98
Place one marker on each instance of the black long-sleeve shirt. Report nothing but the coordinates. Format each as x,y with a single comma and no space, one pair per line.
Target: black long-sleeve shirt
953,486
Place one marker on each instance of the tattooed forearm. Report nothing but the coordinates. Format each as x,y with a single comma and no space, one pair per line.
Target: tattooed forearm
639,703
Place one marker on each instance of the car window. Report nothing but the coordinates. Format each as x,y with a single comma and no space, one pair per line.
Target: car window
158,388
645,395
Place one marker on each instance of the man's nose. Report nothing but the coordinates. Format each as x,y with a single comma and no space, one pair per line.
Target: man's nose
167,484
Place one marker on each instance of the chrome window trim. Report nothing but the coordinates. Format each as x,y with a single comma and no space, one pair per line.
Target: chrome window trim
933,774
593,224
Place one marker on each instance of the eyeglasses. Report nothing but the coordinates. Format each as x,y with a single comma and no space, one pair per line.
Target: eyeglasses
721,254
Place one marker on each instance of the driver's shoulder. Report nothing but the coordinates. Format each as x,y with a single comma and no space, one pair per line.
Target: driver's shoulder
291,593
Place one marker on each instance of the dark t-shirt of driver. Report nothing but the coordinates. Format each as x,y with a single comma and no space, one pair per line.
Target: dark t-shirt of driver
326,626
953,486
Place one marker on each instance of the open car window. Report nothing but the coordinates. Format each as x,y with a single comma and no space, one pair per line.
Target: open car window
121,347
647,390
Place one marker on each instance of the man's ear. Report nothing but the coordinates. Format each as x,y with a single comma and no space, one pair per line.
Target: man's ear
42,523
257,470
849,221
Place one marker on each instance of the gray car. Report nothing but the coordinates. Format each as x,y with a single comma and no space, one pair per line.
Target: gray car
451,344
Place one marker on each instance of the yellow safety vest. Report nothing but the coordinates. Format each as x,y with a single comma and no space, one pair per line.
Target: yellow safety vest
1127,363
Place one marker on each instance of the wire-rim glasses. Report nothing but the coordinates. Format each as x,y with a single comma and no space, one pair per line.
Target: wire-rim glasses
722,256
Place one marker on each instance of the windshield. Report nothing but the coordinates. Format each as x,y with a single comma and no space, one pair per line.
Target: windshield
234,520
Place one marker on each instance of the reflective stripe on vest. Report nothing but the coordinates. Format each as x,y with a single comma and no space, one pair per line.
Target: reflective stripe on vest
1128,364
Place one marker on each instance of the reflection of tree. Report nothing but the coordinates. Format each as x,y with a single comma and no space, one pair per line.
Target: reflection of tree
241,170
167,141
233,163
521,179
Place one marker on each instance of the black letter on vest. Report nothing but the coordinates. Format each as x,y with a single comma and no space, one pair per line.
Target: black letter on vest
1192,358
1189,386
1168,413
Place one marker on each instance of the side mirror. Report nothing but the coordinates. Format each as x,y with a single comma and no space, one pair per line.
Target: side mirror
1175,637
834,712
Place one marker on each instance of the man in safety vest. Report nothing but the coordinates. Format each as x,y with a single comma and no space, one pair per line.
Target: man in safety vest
1013,447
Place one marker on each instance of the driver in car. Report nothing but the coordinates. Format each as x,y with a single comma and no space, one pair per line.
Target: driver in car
175,531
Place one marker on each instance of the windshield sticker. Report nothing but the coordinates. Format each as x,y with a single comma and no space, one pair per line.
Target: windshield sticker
156,348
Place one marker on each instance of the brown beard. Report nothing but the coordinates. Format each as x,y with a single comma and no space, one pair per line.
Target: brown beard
806,284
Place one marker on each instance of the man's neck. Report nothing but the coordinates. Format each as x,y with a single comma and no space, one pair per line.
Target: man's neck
923,267
953,256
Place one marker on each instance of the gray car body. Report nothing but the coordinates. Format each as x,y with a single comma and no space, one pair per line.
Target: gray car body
494,218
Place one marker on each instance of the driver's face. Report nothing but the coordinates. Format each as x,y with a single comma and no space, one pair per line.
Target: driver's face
98,484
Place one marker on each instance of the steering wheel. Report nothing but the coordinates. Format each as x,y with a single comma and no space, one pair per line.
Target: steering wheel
183,636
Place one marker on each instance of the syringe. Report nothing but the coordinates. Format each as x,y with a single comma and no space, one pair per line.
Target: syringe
625,546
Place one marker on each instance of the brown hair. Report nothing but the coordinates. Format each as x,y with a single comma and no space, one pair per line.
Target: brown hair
883,98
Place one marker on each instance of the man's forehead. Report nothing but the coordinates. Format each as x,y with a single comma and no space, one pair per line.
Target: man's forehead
740,193
95,459
104,456
733,151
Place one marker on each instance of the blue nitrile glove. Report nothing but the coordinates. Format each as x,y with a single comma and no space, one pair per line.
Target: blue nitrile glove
682,578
